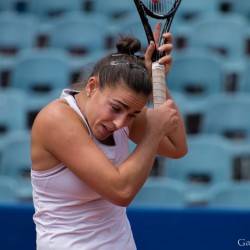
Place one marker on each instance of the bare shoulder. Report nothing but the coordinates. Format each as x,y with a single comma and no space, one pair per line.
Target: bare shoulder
53,129
53,116
57,120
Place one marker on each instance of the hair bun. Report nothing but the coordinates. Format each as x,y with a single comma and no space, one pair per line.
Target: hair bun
128,45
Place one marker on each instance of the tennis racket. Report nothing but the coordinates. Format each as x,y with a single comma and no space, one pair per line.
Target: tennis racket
164,10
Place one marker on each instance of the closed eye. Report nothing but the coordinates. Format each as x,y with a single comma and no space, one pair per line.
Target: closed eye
116,109
132,115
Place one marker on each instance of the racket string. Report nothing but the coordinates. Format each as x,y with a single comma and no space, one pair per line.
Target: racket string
160,7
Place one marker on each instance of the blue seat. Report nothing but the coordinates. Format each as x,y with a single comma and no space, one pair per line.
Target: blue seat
48,9
214,32
79,33
12,110
209,160
17,31
194,9
112,8
16,162
6,5
241,7
227,115
196,74
8,189
40,73
242,75
41,70
231,195
160,192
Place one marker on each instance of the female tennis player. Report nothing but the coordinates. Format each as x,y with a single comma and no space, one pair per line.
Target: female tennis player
83,175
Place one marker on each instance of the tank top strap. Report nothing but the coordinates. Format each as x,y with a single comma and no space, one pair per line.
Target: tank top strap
72,103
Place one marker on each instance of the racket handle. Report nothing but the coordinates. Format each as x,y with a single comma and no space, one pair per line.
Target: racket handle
159,84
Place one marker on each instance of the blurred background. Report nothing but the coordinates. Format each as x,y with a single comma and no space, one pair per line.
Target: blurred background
47,45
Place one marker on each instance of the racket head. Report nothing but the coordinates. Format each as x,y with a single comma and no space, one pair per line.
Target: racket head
160,9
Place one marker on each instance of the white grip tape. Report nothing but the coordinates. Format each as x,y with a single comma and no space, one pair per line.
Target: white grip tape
159,84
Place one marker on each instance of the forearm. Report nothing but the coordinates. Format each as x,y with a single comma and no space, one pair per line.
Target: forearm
177,139
136,169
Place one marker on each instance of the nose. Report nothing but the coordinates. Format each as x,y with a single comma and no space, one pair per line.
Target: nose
120,122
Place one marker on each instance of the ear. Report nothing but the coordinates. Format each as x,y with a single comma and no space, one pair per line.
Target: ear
91,86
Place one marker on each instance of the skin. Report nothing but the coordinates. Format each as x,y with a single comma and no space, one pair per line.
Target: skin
59,135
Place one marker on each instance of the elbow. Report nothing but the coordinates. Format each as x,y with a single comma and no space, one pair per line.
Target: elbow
181,152
122,203
123,198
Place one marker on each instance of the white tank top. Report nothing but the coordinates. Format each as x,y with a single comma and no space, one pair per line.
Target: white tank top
69,215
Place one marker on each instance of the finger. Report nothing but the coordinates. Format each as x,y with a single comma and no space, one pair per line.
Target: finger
157,32
166,48
167,61
149,52
168,38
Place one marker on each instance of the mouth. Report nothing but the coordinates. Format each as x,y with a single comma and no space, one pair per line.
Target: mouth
107,130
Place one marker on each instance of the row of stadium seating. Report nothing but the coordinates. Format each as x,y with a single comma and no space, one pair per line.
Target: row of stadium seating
209,81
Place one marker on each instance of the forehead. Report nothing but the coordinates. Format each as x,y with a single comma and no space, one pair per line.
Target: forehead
125,95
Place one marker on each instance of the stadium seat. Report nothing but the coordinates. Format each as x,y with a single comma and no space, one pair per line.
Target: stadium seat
160,192
78,33
231,195
40,73
8,189
53,8
196,73
209,160
194,9
6,5
41,70
112,8
16,163
242,75
17,31
241,7
227,115
214,32
12,110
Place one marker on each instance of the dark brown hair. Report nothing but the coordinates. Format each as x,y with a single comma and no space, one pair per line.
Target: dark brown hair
124,67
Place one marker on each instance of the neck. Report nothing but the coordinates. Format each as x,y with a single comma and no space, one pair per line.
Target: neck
81,103
109,141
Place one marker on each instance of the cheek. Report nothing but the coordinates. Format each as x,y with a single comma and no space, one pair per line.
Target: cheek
95,115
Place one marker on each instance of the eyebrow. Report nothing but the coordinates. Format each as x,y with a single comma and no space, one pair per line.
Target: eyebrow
126,106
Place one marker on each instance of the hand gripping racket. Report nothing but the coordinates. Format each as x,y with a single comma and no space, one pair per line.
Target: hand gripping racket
164,10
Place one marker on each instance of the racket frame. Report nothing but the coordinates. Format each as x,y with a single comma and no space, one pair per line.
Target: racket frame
144,12
158,70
